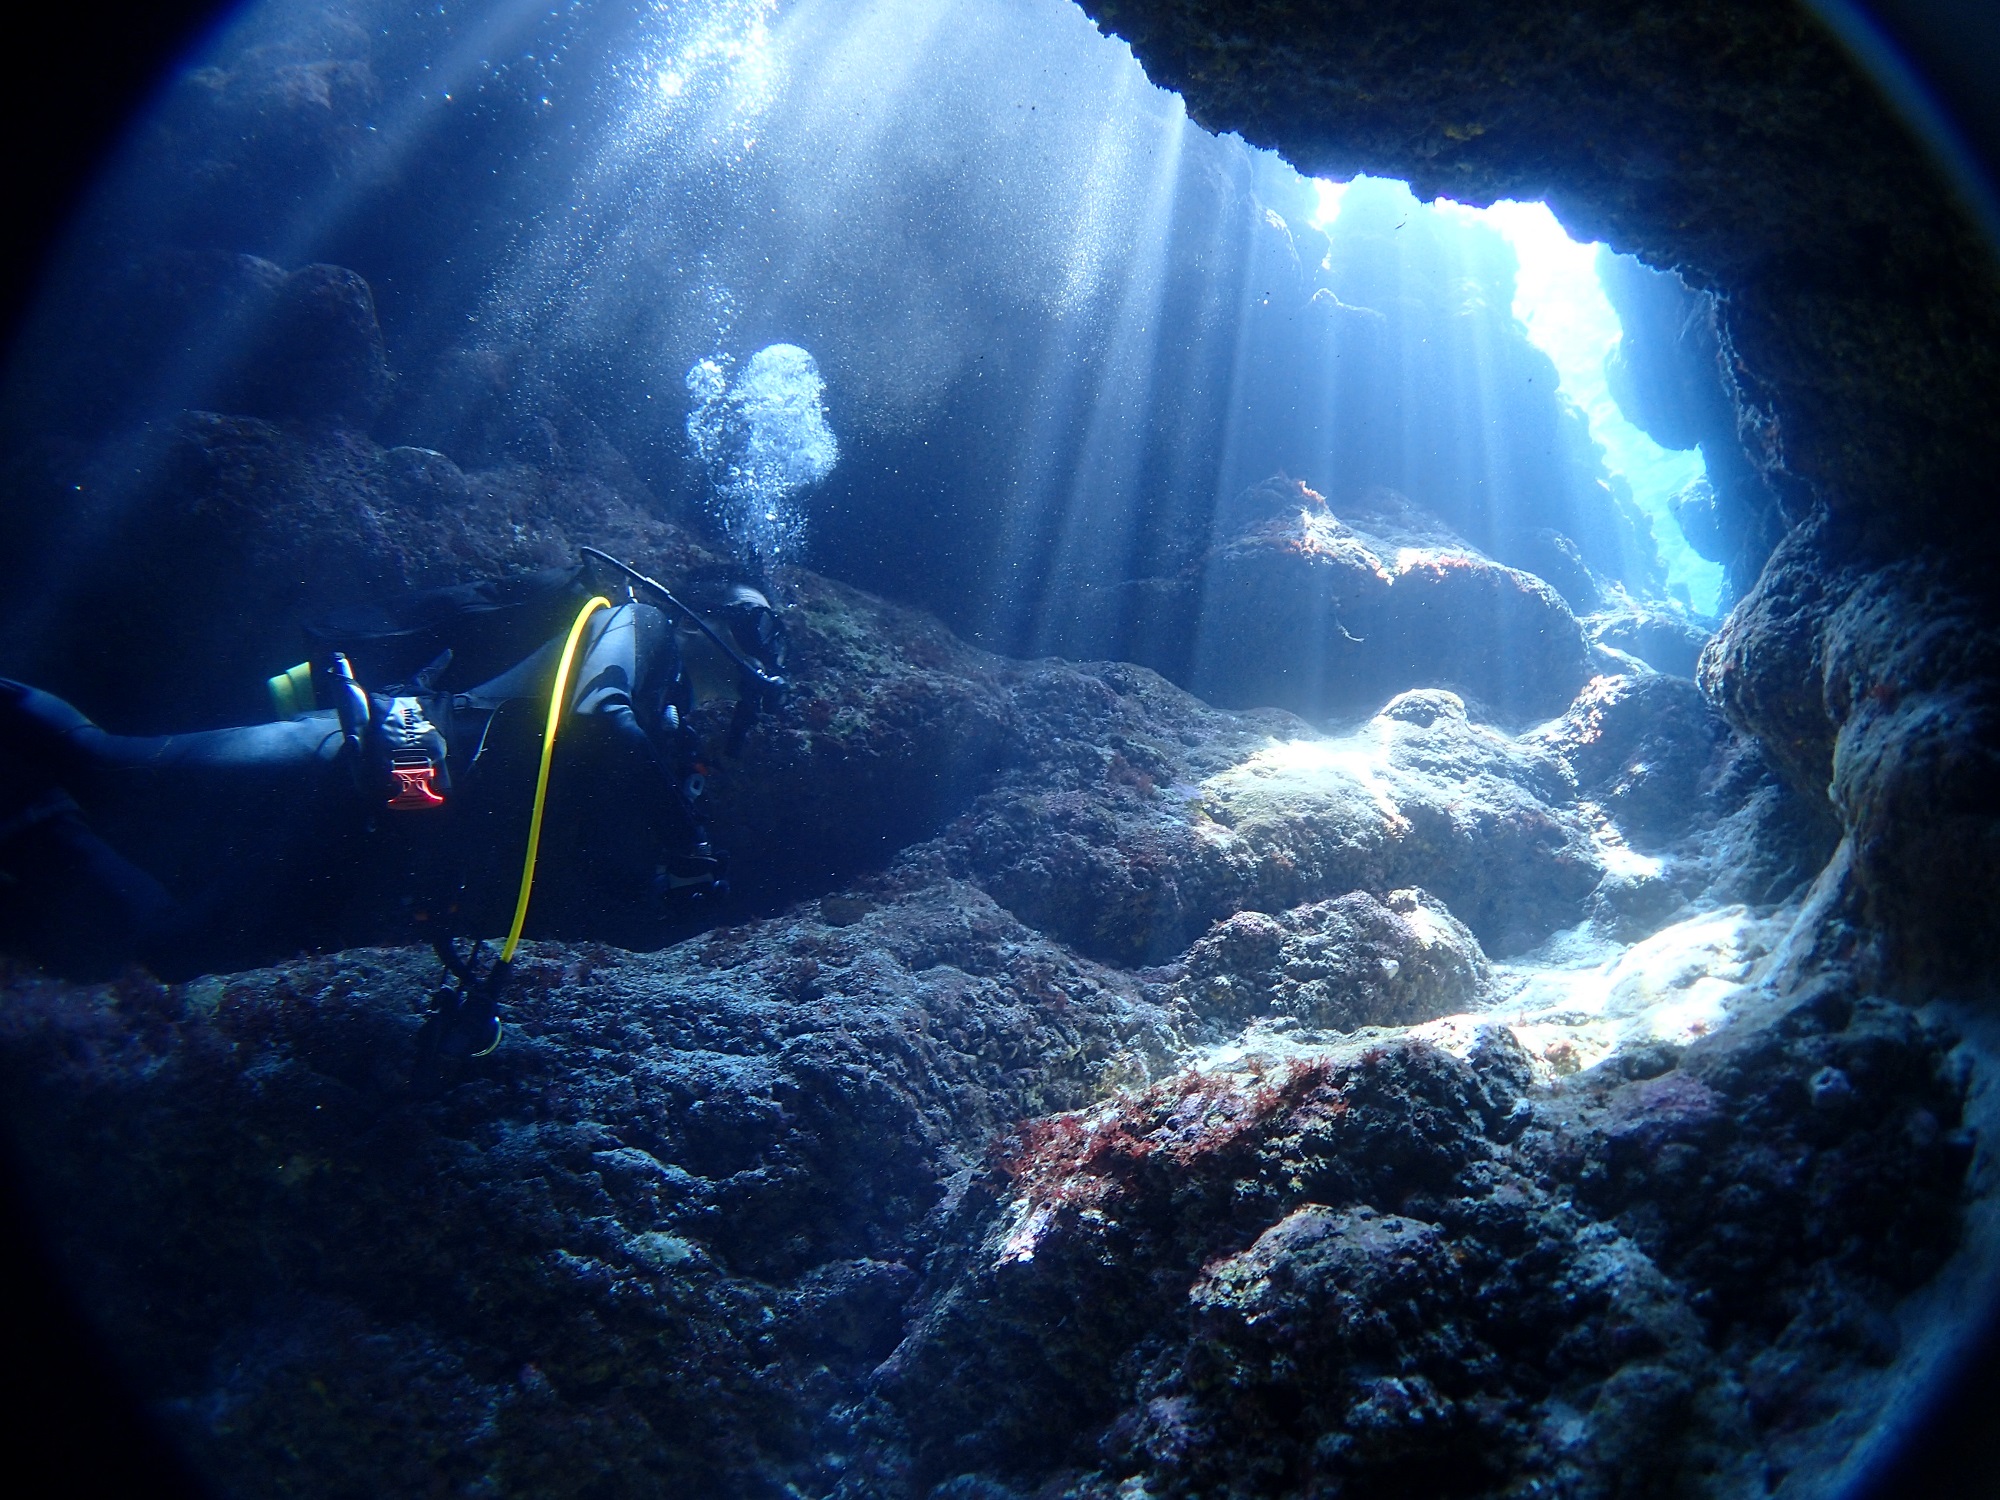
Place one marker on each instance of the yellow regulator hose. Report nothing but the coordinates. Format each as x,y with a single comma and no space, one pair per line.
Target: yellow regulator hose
556,697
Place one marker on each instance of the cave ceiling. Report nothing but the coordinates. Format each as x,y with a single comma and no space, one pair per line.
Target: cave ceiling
1737,144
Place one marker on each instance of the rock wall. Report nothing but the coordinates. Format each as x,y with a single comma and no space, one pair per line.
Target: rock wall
1875,688
1668,375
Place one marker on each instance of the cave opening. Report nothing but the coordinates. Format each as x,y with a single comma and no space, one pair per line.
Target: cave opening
1336,881
1561,298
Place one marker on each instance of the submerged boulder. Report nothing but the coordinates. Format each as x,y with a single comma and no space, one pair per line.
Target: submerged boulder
1643,748
172,329
314,351
424,474
1665,640
492,404
1337,965
1136,866
892,726
1324,610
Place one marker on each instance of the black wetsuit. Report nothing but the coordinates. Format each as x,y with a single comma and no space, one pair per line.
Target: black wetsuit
279,836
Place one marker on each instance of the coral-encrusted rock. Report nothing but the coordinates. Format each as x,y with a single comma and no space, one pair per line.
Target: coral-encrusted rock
1111,1217
1322,1297
1279,1282
1797,1172
1405,800
1913,678
1100,796
1768,841
1348,1267
1827,1135
1375,1320
662,1231
1319,612
1338,965
1285,603
675,1226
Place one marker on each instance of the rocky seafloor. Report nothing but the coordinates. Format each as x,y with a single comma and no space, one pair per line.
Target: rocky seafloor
1496,1090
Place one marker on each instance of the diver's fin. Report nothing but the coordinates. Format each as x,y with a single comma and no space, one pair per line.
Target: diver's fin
426,680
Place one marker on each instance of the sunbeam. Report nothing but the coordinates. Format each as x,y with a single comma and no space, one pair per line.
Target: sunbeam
1560,300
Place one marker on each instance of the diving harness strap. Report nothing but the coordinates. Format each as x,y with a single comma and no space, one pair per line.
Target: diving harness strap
469,996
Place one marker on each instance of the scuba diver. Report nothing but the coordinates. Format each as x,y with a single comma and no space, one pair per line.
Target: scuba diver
387,814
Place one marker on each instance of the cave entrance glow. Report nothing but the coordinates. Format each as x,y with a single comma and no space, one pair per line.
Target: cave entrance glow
1560,299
